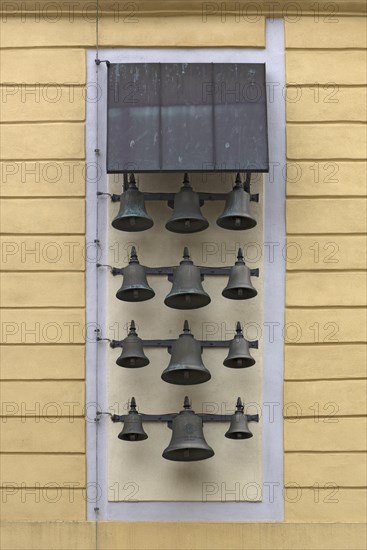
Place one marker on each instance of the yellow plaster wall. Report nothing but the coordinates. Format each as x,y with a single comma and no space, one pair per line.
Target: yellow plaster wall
325,60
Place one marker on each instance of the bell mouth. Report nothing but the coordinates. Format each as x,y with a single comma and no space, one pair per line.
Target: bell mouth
239,362
135,294
132,437
236,223
132,362
187,225
188,454
187,300
132,224
238,435
239,293
186,377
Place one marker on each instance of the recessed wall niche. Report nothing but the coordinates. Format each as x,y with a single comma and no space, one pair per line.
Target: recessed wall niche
137,471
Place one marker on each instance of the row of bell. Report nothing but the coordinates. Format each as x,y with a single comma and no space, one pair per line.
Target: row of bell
186,366
187,442
187,291
186,216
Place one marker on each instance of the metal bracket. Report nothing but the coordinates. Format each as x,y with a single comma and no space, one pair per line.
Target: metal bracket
170,197
99,61
168,418
169,270
168,343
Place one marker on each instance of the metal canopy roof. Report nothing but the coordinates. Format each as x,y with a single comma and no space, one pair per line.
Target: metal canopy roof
179,117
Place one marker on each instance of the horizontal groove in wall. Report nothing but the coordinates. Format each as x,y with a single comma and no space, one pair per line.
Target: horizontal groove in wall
320,417
316,197
39,159
356,343
40,122
56,380
344,379
329,159
37,308
66,271
324,122
52,453
337,306
58,85
106,10
81,344
60,197
41,416
362,233
4,234
325,452
337,486
308,86
331,271
345,49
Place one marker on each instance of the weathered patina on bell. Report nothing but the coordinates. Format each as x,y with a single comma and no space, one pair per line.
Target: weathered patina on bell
186,366
237,215
132,355
239,285
133,426
238,428
239,356
187,443
186,216
132,215
134,286
187,291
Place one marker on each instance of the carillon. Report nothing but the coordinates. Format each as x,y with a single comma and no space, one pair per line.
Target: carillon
187,443
186,366
187,291
186,216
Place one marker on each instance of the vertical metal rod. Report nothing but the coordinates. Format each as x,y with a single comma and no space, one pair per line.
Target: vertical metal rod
126,181
160,116
213,119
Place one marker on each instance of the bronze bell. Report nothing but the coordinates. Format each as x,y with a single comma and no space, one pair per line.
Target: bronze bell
238,428
186,366
132,355
239,356
239,285
187,291
134,286
186,216
236,215
132,215
133,426
187,442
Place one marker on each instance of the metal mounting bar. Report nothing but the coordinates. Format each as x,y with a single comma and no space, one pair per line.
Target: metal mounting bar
170,269
169,197
170,416
168,343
